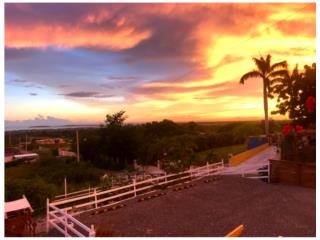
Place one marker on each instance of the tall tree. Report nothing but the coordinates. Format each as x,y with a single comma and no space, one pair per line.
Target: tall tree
266,71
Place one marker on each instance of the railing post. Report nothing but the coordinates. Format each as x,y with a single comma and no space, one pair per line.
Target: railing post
92,233
65,187
208,169
165,174
95,197
134,187
48,216
65,219
268,171
190,172
222,164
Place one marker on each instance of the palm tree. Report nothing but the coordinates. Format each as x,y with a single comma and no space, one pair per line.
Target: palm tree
266,72
286,87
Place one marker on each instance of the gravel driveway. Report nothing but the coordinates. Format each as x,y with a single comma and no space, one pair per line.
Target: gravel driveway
214,209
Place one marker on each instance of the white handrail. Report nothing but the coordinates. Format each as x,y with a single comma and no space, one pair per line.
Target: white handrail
60,220
68,196
135,187
63,219
71,218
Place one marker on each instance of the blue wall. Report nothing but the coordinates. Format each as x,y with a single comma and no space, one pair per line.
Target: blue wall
255,141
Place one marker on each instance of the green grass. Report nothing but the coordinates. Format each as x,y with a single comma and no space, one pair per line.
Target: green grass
44,179
216,154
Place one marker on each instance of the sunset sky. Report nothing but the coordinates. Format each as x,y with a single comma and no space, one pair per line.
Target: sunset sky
74,63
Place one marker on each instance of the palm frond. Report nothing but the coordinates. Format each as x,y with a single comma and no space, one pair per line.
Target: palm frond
279,73
260,63
252,74
268,62
278,65
278,80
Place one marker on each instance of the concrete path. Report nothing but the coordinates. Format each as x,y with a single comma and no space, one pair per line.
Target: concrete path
253,163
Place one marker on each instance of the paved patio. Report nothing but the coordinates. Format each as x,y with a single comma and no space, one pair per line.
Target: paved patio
214,209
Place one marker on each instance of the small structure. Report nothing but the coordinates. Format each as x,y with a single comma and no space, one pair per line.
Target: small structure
65,153
18,220
21,158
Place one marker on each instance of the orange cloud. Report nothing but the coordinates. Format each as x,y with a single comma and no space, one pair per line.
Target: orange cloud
46,35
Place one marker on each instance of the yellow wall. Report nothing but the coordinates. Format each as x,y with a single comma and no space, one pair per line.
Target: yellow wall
239,158
236,232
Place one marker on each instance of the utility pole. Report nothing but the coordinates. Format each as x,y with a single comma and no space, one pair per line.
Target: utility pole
65,187
78,156
26,143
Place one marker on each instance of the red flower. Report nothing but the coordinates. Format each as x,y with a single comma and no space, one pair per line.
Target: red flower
311,104
287,129
299,128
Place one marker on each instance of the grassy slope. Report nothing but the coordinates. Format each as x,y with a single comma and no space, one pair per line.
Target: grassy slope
222,152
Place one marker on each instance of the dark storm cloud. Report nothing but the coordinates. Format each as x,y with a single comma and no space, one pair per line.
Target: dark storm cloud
87,95
123,78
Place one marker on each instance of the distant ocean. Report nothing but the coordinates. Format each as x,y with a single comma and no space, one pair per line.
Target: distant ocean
20,128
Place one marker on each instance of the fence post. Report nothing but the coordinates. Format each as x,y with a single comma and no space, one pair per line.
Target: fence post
208,169
222,164
92,232
66,223
95,197
48,216
269,172
134,187
165,174
190,172
65,187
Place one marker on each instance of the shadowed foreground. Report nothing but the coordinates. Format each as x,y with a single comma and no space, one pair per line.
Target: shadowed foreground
214,209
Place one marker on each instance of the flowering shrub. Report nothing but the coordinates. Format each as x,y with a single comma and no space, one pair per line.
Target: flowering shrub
297,144
298,128
287,129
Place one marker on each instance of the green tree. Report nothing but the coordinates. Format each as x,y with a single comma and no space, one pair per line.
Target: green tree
293,90
116,119
266,71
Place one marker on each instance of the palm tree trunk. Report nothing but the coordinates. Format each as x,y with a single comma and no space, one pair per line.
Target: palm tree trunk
265,105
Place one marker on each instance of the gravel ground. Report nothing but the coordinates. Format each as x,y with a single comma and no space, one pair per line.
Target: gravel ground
214,209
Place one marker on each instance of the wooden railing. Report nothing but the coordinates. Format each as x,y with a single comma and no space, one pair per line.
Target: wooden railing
86,200
67,225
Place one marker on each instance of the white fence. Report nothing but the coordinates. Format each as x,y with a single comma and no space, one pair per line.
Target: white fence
86,200
66,224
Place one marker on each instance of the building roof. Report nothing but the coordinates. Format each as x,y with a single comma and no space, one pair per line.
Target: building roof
17,205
